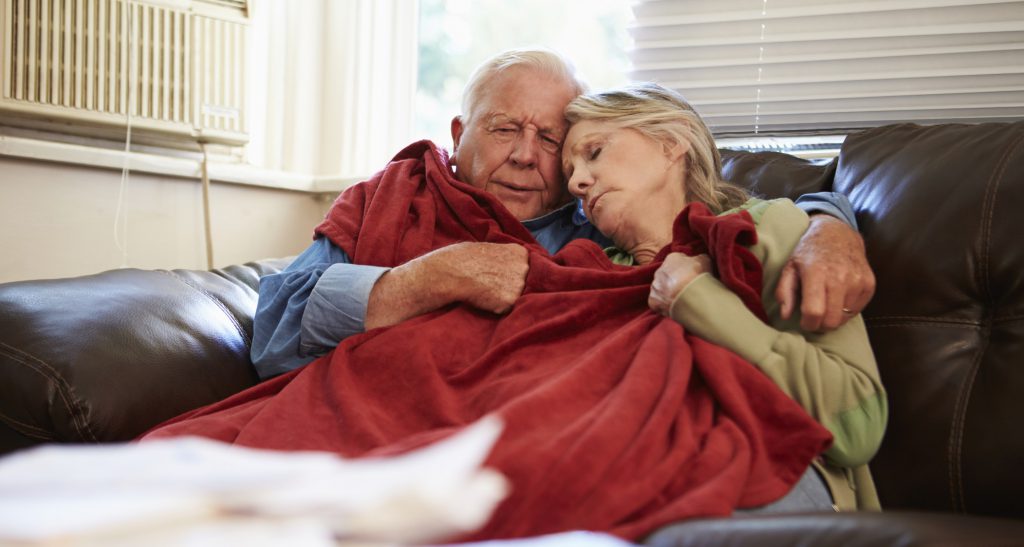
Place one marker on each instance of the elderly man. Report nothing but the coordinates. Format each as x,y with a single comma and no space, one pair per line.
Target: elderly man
507,141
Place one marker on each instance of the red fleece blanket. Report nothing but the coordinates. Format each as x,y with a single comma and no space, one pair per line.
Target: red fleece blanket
616,419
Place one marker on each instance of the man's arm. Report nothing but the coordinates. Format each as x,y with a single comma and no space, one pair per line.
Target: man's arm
832,204
308,308
829,266
488,276
321,298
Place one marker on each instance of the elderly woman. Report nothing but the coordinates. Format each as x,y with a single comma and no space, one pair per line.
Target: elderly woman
636,157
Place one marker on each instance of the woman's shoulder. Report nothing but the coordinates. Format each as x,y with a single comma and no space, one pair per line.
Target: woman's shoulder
770,210
780,225
619,256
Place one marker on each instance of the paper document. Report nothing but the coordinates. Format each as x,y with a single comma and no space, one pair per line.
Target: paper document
196,491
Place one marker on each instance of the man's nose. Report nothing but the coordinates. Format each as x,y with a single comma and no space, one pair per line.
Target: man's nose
526,149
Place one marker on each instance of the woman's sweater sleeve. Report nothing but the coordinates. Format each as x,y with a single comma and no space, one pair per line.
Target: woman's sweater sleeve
832,375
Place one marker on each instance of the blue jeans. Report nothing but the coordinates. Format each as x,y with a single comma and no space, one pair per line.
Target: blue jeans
809,494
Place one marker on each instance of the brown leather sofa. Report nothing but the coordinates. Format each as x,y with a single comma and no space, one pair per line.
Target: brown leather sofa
103,357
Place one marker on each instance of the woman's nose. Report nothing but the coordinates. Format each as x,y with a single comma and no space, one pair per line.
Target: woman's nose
579,182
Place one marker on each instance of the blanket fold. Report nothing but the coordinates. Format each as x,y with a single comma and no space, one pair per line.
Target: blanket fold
616,419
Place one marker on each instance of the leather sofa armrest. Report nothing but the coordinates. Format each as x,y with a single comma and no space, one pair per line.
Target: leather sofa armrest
105,357
857,529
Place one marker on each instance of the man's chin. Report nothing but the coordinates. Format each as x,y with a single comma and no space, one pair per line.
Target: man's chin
524,205
523,214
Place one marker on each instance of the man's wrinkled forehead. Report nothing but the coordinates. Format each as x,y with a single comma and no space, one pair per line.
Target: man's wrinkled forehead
497,118
521,95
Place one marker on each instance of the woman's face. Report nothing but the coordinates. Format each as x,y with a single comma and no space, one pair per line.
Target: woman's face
632,187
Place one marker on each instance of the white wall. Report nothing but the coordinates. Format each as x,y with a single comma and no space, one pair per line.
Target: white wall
57,220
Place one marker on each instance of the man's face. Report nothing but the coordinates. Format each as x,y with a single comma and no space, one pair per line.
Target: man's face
510,143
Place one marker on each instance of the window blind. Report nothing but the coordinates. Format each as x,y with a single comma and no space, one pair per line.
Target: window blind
779,67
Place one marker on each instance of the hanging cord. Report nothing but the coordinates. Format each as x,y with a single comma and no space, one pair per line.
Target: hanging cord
760,68
206,206
120,214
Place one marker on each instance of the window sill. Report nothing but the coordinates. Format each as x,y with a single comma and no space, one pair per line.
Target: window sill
231,172
822,147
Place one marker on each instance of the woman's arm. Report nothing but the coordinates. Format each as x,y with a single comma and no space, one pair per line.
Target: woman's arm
832,375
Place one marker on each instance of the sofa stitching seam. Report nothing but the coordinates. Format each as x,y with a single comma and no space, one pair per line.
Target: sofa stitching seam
989,203
957,429
26,429
988,206
964,398
896,320
63,387
216,301
917,322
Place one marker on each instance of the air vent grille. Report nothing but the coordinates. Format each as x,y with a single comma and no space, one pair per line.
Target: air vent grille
93,61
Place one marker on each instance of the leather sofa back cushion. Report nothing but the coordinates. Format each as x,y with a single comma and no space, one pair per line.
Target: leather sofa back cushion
940,209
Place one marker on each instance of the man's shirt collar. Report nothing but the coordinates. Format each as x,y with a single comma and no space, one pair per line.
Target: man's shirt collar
574,209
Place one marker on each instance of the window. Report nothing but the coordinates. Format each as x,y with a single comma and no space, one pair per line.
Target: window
803,67
457,35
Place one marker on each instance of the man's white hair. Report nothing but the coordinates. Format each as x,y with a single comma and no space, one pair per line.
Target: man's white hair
546,60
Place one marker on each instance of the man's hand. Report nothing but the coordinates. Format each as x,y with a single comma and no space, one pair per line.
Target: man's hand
830,269
489,276
674,274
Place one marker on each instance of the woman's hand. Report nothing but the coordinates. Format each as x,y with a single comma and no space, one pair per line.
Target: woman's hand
675,273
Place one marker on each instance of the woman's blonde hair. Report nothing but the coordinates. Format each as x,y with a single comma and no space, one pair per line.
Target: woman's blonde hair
547,61
663,115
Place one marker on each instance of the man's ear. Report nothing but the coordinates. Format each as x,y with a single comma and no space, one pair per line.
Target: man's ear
457,129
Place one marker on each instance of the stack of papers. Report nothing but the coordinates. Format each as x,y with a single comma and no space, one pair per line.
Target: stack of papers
192,491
